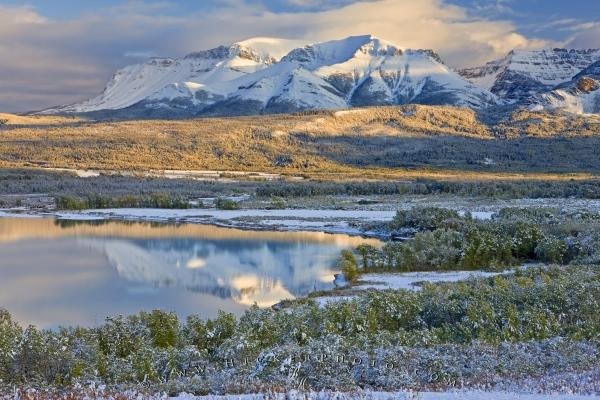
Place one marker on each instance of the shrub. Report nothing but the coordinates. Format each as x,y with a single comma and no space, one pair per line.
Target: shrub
525,238
347,264
551,250
283,160
532,305
71,203
164,328
424,218
277,203
226,204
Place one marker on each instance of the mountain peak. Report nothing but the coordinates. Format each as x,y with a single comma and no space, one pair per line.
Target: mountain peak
266,75
215,53
341,50
524,74
268,48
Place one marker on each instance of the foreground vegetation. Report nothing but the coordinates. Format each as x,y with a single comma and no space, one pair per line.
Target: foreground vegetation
475,333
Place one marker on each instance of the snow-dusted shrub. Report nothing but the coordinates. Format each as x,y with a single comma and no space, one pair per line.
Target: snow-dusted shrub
511,237
465,333
551,250
424,218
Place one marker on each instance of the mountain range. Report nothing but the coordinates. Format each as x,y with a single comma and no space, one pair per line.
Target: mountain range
268,75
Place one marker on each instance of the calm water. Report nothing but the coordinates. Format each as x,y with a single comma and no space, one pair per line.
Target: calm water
66,273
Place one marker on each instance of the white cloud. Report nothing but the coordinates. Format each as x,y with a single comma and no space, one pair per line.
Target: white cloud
45,62
427,24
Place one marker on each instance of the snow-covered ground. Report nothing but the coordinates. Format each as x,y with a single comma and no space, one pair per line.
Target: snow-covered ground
292,219
166,214
202,175
352,215
323,395
329,221
454,395
11,213
410,280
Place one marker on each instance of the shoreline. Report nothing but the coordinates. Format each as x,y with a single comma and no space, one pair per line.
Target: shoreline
346,222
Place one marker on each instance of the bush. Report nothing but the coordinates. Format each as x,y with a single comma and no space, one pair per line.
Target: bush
424,218
513,236
551,250
71,203
277,203
164,328
445,320
347,264
226,204
96,200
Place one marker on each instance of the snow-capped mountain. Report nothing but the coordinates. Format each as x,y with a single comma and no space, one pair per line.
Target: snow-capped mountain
523,74
580,95
189,79
265,75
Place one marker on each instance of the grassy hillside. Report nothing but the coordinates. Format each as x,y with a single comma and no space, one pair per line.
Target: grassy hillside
21,120
382,142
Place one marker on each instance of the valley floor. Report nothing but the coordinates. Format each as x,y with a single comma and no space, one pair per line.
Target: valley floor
277,207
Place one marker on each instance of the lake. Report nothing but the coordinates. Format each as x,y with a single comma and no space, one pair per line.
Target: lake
64,272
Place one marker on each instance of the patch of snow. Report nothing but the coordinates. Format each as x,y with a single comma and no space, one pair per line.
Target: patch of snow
481,215
404,395
81,173
181,214
269,47
409,280
16,213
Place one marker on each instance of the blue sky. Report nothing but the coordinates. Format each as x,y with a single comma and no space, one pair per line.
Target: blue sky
59,51
531,17
536,17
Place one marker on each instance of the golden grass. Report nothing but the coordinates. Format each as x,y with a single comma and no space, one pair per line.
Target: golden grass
14,119
255,143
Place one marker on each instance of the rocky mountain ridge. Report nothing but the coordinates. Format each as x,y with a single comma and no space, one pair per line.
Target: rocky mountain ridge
268,75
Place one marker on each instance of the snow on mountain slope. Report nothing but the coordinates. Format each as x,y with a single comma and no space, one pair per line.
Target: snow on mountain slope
268,47
254,76
581,95
190,76
365,70
525,73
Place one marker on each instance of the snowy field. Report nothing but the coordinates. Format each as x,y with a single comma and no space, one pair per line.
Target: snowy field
411,280
328,221
406,280
301,395
458,395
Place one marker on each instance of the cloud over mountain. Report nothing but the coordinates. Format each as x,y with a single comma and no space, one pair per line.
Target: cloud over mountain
44,61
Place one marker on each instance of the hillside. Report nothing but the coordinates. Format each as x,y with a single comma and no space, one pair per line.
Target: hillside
378,142
14,119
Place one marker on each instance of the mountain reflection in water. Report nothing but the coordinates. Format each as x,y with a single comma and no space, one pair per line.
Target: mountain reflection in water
74,272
